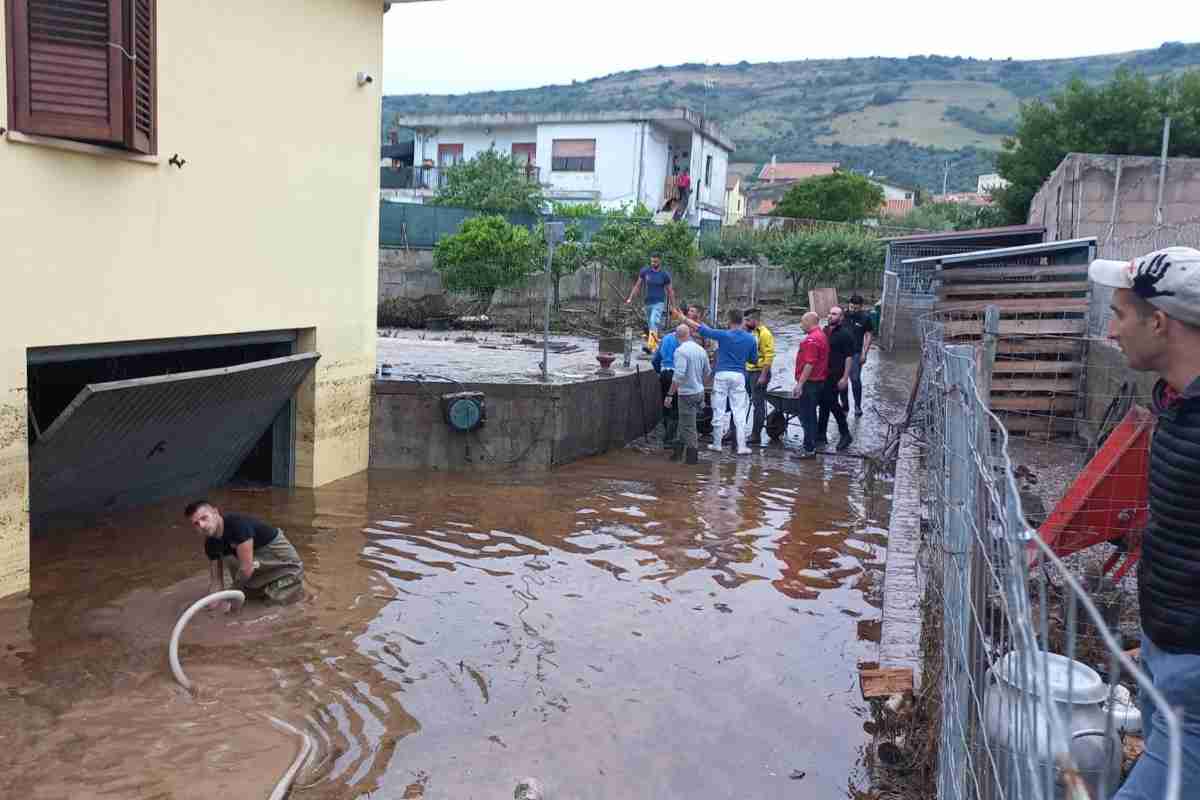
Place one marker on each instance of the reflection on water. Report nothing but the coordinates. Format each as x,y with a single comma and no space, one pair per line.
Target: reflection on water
622,627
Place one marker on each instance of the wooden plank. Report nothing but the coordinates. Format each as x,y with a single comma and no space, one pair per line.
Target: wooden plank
1018,347
1030,403
1057,385
1042,305
885,681
1031,423
1018,327
952,274
1034,367
821,300
1013,288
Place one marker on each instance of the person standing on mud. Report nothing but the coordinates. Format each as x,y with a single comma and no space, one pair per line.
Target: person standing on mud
659,294
687,393
758,374
735,347
259,558
863,329
812,365
1156,323
841,356
664,364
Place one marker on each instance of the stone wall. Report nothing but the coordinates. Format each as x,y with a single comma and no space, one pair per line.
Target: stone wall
1108,376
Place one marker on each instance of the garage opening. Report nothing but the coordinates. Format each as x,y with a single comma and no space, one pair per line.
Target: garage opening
124,424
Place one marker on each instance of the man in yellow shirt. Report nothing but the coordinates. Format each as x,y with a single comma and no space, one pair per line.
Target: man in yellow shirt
758,374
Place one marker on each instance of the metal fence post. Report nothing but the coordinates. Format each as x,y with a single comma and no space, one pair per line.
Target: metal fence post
962,480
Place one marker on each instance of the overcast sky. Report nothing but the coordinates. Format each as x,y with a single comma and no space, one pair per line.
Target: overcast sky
454,46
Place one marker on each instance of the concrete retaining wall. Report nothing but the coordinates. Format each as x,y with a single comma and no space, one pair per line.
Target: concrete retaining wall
529,426
1108,376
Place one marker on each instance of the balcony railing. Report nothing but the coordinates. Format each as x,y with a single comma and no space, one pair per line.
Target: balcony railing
433,178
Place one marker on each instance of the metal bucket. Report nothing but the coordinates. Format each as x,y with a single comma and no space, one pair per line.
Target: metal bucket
1025,740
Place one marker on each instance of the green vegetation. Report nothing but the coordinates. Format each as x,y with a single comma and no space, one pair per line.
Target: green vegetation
490,181
978,121
627,246
842,256
570,255
840,197
627,210
488,253
789,109
1122,116
954,217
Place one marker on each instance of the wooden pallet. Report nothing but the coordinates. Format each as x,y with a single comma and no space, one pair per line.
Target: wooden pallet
1039,356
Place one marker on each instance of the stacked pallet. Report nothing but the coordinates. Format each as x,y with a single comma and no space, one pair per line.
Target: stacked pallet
1039,355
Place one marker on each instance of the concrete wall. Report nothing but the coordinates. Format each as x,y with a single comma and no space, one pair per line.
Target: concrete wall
656,166
1107,376
711,195
1114,198
271,224
529,426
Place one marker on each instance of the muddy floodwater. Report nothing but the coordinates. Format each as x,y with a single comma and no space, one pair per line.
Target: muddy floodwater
619,628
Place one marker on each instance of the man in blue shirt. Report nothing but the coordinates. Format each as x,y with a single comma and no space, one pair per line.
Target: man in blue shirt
659,291
735,347
664,364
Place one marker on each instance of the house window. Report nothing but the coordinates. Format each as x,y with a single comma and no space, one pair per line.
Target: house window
525,153
708,170
908,195
574,155
449,154
84,70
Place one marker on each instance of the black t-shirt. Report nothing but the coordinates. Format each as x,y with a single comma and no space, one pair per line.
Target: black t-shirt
841,346
860,325
239,528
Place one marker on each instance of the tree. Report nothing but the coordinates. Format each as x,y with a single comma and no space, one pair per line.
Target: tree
1123,116
626,246
954,217
490,181
840,197
827,257
487,254
570,255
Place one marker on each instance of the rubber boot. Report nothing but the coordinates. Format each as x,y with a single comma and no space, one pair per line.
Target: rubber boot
693,457
676,452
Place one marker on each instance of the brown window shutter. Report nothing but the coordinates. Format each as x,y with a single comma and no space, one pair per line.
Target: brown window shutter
66,78
141,107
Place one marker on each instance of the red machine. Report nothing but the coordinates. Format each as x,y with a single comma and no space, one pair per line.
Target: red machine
1109,499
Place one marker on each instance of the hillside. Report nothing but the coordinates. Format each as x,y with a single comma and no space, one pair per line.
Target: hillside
902,117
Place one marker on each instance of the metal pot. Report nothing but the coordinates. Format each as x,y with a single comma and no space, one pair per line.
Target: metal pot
1016,722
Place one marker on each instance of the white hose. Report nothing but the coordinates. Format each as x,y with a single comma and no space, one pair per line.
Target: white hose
285,783
173,650
306,745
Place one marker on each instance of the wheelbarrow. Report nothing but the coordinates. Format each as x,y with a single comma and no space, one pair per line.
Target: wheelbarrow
784,409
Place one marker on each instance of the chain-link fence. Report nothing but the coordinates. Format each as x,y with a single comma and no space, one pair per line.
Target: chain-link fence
1031,670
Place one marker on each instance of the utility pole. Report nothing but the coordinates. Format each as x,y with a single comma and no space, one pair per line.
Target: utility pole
1162,170
946,179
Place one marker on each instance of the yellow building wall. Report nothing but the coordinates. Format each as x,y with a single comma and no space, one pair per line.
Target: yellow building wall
271,224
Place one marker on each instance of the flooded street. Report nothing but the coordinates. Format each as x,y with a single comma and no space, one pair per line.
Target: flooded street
622,627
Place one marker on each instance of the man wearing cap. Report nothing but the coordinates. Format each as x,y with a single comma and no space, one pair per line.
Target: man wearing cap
1156,323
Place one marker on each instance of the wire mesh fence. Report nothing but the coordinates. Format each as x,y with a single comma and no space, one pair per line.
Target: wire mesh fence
1033,520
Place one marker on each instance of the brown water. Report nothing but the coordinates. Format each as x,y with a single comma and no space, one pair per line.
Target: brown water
622,627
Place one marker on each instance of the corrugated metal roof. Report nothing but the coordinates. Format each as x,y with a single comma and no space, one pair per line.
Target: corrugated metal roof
1006,252
126,443
978,233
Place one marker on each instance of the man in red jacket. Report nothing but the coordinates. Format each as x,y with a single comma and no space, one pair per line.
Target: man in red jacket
812,367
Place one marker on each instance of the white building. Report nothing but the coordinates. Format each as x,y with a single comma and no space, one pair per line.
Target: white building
987,183
613,157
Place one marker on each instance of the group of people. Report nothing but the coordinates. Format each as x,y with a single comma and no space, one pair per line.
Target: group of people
828,370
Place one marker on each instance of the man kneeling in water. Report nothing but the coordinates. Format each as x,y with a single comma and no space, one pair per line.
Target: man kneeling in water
259,559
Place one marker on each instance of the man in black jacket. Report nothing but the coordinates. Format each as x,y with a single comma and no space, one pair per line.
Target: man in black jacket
841,357
1156,322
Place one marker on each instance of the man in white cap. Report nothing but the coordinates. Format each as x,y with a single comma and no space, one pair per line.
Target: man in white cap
1156,322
